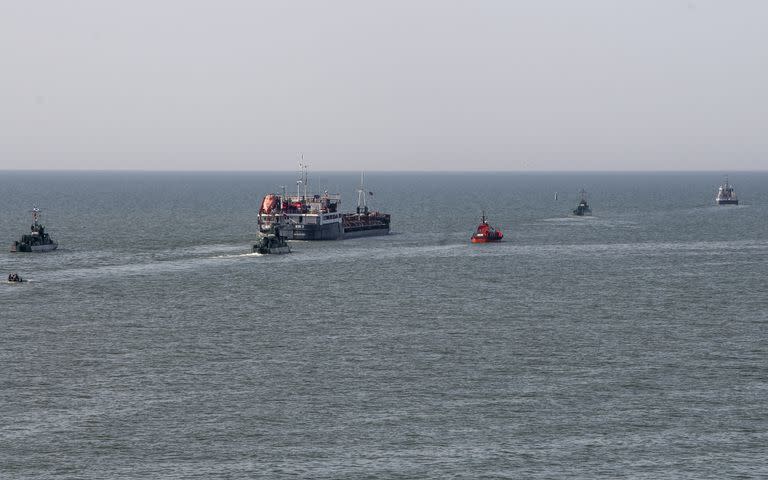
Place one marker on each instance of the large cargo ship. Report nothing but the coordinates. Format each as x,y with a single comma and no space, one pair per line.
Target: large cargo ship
307,216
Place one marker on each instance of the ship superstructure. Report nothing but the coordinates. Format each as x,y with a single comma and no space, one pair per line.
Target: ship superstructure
303,216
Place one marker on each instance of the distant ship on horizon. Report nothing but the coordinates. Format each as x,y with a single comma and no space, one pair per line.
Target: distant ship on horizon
726,194
582,208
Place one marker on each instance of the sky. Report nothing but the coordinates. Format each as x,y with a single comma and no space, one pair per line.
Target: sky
542,85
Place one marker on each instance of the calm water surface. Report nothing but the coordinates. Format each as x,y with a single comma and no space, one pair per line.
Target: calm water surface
631,344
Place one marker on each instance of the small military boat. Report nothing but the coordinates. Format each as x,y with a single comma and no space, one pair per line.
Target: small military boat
15,278
271,242
582,208
726,195
486,233
37,240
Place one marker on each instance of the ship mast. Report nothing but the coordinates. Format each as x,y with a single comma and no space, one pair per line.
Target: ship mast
362,206
35,216
302,179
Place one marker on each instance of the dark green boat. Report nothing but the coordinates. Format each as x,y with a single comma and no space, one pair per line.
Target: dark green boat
271,242
582,208
37,240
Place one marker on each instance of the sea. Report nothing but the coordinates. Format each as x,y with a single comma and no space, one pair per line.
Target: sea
154,344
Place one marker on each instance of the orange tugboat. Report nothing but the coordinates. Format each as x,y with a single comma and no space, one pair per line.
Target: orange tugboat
486,233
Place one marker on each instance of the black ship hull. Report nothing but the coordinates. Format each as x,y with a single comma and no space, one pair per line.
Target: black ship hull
271,245
367,231
331,231
582,212
26,247
353,226
365,224
727,202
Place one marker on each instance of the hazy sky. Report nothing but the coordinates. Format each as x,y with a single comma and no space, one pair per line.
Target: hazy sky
384,85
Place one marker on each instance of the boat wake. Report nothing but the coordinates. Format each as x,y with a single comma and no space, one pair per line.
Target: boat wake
143,267
591,221
569,220
206,249
239,255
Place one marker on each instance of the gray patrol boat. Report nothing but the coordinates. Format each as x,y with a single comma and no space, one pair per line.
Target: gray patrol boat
37,240
582,209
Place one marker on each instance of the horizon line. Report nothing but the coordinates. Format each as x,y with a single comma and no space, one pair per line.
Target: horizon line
141,170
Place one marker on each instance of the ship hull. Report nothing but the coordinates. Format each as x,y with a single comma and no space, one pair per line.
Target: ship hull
369,231
302,227
726,202
271,244
272,250
330,231
365,225
352,227
20,247
333,231
484,240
